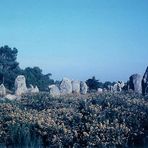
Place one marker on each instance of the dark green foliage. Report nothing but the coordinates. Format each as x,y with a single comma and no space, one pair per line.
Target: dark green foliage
9,70
35,76
107,84
93,83
9,67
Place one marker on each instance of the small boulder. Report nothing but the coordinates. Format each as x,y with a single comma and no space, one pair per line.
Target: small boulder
20,85
100,90
11,97
36,89
54,90
83,88
76,87
33,89
2,90
66,86
117,87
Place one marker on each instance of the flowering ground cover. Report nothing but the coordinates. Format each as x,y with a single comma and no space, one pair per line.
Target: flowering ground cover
93,120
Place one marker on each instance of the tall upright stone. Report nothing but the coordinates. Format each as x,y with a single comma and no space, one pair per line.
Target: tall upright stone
20,85
135,83
2,90
145,82
76,87
66,86
83,87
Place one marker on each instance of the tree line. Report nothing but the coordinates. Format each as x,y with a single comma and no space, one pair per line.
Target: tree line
10,69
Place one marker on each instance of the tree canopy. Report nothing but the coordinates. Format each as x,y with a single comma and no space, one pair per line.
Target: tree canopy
9,67
93,83
35,76
9,70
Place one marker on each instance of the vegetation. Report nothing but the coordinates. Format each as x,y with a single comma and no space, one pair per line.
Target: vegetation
93,84
95,120
9,70
35,76
9,67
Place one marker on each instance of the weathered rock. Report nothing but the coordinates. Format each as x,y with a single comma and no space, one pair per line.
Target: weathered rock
33,89
135,83
11,97
36,89
117,87
2,90
66,86
54,90
121,84
20,85
145,82
100,90
83,87
76,86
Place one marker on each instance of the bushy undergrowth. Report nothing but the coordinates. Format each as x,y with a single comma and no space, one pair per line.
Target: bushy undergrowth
95,120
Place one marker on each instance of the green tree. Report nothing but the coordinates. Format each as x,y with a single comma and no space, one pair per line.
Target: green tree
9,67
35,76
93,83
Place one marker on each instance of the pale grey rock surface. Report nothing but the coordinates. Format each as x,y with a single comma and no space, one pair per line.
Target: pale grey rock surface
76,87
135,83
100,90
33,89
20,85
54,90
66,86
11,97
83,88
2,90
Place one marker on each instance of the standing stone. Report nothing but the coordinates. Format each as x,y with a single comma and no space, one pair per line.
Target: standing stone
36,89
100,90
54,90
145,83
117,87
83,88
66,86
20,85
2,90
33,89
135,83
76,87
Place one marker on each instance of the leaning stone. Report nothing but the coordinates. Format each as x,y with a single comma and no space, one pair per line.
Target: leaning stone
54,90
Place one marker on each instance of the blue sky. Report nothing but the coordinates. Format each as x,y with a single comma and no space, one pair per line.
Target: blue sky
78,38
